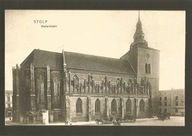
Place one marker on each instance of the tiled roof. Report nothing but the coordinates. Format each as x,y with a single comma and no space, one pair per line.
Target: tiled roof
97,63
41,58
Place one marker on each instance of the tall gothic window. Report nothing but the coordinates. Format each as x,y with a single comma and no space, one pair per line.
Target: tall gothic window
128,105
114,106
142,106
42,91
27,88
97,105
56,85
146,71
147,68
40,87
79,106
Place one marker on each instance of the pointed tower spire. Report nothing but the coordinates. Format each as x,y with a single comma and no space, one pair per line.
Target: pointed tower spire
139,30
139,35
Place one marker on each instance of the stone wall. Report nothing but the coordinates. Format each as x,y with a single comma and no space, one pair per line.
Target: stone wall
121,111
102,114
78,116
42,89
151,57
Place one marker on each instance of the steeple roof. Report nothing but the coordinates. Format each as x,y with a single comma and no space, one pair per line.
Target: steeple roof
139,35
139,29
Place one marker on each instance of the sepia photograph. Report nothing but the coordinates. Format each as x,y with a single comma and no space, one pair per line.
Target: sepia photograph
95,67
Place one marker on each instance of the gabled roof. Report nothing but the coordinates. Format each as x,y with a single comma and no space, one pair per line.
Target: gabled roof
41,58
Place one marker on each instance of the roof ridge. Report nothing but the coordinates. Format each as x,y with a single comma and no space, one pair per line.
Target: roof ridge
76,53
91,55
32,53
46,51
131,66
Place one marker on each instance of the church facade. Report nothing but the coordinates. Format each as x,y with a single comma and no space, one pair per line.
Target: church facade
80,87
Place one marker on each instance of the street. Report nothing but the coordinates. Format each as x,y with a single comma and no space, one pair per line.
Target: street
173,121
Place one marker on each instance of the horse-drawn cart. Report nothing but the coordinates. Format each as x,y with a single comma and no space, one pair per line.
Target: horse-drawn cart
163,116
115,121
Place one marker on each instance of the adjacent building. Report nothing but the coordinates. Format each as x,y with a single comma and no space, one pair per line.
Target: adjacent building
8,103
172,101
80,87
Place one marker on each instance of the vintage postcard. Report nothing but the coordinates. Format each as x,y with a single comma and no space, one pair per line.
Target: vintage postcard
95,67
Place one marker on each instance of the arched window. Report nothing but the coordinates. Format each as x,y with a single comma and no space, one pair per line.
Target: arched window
114,106
142,106
41,89
128,105
56,92
146,69
149,69
79,106
56,86
97,105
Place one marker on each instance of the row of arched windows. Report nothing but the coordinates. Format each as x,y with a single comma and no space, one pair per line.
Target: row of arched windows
42,91
113,106
79,106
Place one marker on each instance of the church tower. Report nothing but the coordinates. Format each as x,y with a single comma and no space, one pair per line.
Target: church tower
145,61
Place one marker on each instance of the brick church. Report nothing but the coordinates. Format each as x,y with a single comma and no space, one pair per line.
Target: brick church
80,87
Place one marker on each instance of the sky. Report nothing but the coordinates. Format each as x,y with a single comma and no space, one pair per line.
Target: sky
107,33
